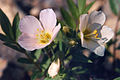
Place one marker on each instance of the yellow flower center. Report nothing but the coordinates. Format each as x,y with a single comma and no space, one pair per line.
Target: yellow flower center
88,35
43,37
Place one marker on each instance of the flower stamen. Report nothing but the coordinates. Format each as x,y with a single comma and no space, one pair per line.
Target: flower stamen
43,37
94,34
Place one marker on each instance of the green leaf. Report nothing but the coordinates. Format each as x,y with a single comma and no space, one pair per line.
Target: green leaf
15,27
56,78
60,45
15,47
3,37
5,25
38,53
68,19
45,62
117,70
117,78
81,5
24,60
36,74
73,9
114,4
88,7
79,70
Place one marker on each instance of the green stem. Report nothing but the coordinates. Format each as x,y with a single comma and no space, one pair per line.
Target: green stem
30,58
52,52
48,54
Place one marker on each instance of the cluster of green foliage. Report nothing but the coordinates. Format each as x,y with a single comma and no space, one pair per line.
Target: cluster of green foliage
74,64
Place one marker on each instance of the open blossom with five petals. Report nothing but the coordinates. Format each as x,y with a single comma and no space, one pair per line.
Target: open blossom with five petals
36,33
93,34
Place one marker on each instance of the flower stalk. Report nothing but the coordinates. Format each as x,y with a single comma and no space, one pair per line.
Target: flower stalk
31,60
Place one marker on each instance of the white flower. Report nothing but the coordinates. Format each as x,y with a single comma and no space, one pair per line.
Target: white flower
36,33
54,68
93,34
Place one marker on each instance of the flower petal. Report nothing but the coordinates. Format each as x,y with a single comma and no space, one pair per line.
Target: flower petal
94,47
40,46
48,19
55,31
97,17
27,41
90,44
107,33
95,26
100,50
29,24
82,38
83,22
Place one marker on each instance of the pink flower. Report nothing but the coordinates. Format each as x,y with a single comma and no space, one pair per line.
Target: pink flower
93,34
36,33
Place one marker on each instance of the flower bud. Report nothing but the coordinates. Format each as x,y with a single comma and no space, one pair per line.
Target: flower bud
54,68
73,43
66,29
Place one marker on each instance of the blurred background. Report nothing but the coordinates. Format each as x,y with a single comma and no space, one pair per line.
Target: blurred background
10,69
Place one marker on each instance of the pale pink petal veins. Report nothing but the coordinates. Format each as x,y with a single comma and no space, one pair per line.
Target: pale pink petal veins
27,41
41,46
29,24
55,31
83,22
107,33
97,17
48,19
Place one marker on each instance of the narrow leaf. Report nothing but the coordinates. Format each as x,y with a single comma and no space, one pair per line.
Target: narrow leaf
3,37
88,7
73,9
34,75
60,45
68,19
15,26
38,53
15,47
81,5
24,60
5,25
117,78
114,6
